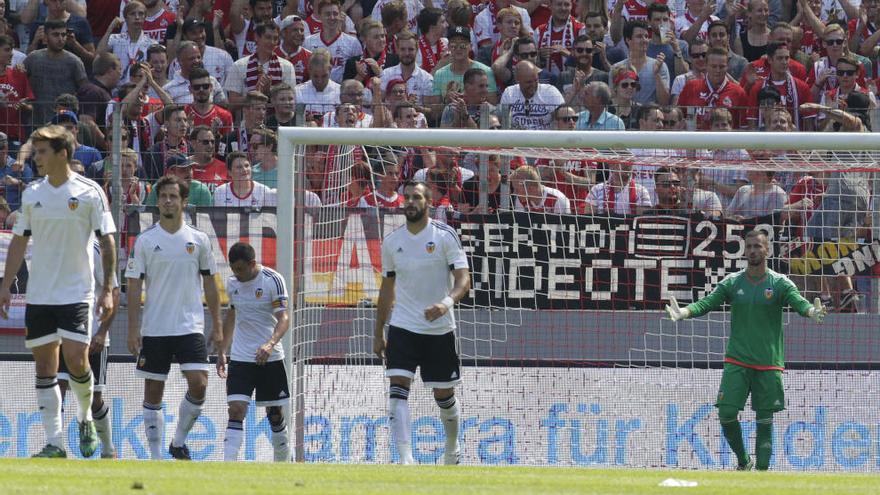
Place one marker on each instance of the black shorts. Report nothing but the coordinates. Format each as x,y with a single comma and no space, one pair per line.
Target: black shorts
269,380
157,354
47,323
98,363
435,354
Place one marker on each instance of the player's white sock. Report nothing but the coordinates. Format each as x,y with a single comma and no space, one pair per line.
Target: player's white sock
154,427
233,439
449,414
189,411
398,418
49,402
104,428
82,387
280,439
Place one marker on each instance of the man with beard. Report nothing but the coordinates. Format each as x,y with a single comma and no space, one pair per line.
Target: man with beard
416,264
418,81
754,359
293,34
203,111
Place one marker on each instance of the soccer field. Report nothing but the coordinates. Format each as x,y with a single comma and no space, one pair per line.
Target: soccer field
26,476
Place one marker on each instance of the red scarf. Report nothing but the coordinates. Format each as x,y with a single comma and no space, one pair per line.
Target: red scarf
568,35
254,69
430,56
610,197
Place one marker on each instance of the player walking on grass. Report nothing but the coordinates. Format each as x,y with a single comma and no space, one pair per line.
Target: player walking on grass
416,263
254,325
175,261
755,357
61,212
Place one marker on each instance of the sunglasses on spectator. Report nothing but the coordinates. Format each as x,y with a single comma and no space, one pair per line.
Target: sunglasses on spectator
495,127
669,123
627,85
846,72
201,87
674,183
568,118
698,55
206,141
836,41
578,49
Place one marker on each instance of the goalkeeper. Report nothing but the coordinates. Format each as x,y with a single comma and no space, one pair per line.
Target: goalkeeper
755,357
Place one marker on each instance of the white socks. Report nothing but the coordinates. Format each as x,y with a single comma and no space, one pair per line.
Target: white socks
189,411
154,427
233,439
280,437
449,414
400,422
81,386
49,402
104,429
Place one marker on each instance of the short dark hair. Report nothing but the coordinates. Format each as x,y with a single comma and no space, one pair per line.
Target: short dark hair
7,41
266,26
523,40
414,183
583,38
242,251
50,25
596,13
471,74
104,62
172,180
772,48
198,73
428,17
157,48
630,27
716,24
759,233
235,155
195,131
170,110
647,108
657,7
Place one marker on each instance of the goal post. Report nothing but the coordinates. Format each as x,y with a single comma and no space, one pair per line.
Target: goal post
568,357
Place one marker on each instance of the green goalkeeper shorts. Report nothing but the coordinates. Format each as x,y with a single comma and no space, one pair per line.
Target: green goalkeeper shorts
765,386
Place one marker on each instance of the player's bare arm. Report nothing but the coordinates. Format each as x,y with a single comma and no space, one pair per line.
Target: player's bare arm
278,333
460,288
383,309
106,302
135,286
223,350
212,297
14,258
100,337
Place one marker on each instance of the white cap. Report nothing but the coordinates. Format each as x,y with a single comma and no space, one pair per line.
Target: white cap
289,20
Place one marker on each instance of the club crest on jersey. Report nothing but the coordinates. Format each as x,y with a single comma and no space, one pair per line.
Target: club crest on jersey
430,247
768,293
142,361
259,292
73,204
190,247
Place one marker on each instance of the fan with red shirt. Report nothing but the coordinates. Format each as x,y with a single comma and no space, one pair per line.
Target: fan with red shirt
556,37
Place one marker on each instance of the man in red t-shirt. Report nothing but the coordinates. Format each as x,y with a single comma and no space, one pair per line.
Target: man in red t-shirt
714,91
202,111
781,33
293,33
556,37
208,169
792,90
15,91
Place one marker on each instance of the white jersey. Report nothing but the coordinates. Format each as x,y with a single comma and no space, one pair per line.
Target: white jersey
237,78
98,274
256,302
318,101
217,62
129,51
172,266
420,83
62,221
341,49
261,195
413,7
535,113
621,201
421,266
485,27
552,201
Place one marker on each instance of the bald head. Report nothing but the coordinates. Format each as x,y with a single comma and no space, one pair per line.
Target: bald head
526,74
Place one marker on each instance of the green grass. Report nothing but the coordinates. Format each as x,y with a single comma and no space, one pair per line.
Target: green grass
26,476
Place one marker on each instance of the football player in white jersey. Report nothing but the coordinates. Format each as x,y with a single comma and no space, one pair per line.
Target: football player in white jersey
175,262
61,212
424,273
255,324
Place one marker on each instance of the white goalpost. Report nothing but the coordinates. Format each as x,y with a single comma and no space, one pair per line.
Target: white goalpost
567,358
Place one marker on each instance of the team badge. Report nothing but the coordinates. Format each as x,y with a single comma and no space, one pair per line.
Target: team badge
142,361
429,247
73,204
259,293
190,247
768,293
727,101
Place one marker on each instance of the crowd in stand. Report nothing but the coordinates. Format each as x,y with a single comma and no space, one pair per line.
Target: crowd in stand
202,86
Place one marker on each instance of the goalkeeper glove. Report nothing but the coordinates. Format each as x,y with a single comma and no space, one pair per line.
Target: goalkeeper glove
818,311
675,312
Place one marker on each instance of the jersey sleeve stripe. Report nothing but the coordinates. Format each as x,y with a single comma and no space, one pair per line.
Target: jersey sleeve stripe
277,279
450,231
94,185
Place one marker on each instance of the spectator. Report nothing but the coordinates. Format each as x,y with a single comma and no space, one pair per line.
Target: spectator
596,27
293,34
618,195
782,34
242,190
395,17
443,206
196,25
96,94
14,176
7,31
582,72
529,102
319,94
176,124
465,110
79,39
87,155
142,77
217,61
793,91
182,167
419,83
451,76
597,116
158,17
626,85
263,153
260,70
761,197
104,168
486,23
695,200
189,57
673,119
53,70
556,38
206,168
669,197
133,119
395,94
70,102
524,48
847,73
385,195
352,93
446,159
471,188
130,46
572,178
254,117
243,29
7,218
698,52
283,98
768,100
157,60
433,50
700,96
719,37
369,64
202,111
752,42
533,196
862,29
664,40
653,75
694,24
340,45
134,189
15,96
825,74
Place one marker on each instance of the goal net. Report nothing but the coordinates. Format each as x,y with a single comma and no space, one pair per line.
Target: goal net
575,241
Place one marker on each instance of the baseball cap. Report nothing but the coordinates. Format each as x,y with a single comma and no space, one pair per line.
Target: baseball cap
190,24
65,116
178,161
289,20
458,32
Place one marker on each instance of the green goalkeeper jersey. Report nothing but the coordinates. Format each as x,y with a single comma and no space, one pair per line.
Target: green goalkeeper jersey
755,316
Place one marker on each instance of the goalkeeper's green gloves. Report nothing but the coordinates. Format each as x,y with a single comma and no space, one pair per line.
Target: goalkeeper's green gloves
675,312
818,311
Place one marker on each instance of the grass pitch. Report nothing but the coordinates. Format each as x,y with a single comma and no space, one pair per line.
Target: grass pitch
31,476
